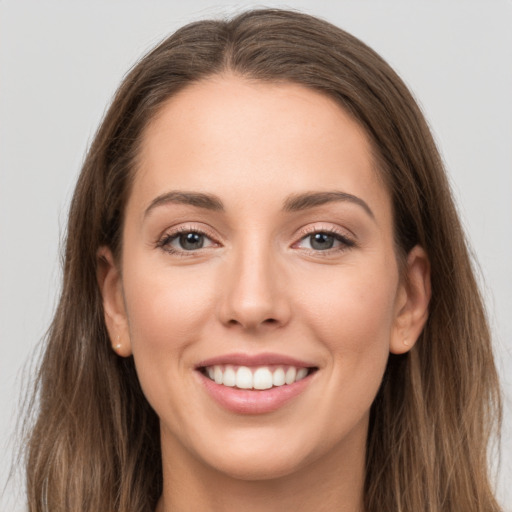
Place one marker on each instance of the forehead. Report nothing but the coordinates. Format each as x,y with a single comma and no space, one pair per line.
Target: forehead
231,136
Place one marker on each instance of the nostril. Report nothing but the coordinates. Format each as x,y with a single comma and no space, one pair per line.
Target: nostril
267,321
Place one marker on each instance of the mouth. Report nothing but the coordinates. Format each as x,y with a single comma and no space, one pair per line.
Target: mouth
255,384
255,377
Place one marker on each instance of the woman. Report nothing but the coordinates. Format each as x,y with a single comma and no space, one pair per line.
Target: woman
267,299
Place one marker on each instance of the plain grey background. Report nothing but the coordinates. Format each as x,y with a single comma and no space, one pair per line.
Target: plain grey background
60,63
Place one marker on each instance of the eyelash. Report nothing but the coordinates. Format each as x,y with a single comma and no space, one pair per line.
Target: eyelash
345,241
165,241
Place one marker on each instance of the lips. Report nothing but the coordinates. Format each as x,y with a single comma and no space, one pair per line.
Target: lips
254,384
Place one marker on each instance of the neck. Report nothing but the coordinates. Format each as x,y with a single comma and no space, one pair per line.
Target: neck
332,483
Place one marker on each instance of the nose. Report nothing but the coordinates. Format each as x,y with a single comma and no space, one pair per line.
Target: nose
254,294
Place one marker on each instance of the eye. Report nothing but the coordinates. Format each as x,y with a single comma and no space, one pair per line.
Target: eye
324,240
189,241
185,241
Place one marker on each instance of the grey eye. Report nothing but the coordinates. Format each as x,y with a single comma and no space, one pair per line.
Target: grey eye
324,241
321,241
190,241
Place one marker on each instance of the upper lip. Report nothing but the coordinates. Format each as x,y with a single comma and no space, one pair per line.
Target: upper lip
239,359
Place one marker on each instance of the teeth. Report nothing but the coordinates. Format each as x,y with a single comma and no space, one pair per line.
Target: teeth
291,373
301,373
243,378
260,378
229,377
278,377
217,374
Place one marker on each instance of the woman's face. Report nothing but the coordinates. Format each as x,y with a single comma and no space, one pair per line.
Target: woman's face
259,291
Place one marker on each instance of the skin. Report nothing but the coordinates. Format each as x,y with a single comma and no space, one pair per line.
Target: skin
258,285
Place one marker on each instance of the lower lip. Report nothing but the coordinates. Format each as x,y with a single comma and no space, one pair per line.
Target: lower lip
247,401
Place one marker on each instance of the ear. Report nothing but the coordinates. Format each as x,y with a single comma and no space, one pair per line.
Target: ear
413,297
111,287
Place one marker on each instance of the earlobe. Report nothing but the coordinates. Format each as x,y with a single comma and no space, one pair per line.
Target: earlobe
110,284
413,300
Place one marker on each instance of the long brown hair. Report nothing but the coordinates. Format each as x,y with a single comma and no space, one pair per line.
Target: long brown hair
94,445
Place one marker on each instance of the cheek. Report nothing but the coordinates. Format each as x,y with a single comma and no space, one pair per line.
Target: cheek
167,313
166,308
352,301
353,316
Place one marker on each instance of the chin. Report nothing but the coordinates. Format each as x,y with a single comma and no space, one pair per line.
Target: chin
257,455
259,468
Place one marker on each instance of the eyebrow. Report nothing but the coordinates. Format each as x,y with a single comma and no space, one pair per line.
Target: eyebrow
197,199
294,203
308,200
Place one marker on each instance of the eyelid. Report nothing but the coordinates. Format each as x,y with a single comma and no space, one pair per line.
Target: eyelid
173,232
347,239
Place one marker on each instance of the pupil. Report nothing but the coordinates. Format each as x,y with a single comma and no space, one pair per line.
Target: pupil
190,241
322,241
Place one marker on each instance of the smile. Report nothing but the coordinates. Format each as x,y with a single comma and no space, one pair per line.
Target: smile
258,378
255,384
